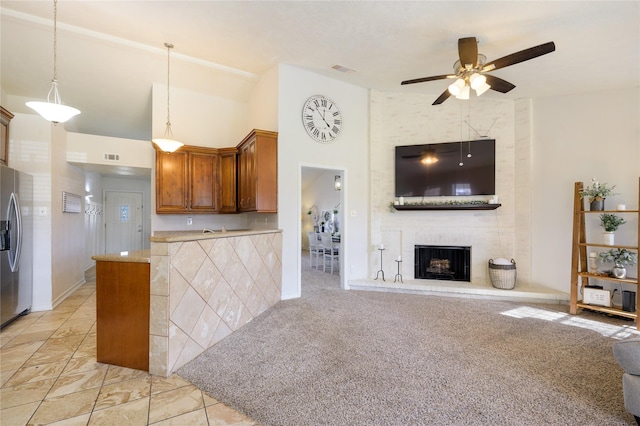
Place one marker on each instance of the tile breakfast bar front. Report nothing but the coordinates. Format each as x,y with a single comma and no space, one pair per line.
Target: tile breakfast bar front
206,285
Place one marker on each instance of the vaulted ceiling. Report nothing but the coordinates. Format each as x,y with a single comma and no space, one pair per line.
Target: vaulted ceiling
111,52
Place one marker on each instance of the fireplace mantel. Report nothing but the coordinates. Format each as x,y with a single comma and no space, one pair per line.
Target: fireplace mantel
446,207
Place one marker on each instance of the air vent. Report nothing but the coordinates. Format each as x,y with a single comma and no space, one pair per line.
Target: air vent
112,157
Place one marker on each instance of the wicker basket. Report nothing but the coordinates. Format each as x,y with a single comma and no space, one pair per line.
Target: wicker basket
502,276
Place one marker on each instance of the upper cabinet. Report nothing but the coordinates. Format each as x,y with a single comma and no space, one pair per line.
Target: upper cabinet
219,180
188,180
258,172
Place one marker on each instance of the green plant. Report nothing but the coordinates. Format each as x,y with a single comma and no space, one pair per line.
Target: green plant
621,257
610,222
596,191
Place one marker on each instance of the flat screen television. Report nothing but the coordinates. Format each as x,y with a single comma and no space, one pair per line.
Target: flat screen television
462,168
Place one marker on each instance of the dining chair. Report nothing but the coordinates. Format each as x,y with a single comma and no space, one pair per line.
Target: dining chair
315,248
329,251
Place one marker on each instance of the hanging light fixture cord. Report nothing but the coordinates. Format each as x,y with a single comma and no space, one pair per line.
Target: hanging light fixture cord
168,133
54,81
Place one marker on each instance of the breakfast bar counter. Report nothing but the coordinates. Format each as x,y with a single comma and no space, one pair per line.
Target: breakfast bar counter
204,286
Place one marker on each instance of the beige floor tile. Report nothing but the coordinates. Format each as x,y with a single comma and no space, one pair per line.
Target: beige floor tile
222,415
17,416
123,392
194,418
80,381
65,407
117,373
209,400
15,356
162,384
25,393
36,373
77,364
81,420
28,337
172,403
74,326
131,414
6,375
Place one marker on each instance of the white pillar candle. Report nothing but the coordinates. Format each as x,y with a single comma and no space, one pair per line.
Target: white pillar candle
621,207
381,246
399,258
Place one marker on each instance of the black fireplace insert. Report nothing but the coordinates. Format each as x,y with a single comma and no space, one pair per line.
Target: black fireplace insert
451,263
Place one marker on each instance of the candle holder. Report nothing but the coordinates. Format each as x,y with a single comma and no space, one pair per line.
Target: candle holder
398,275
380,271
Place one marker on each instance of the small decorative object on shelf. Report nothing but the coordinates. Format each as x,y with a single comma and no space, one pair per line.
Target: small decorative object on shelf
596,193
380,271
398,275
621,258
610,222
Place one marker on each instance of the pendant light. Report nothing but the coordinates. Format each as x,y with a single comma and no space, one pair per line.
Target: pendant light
53,110
166,142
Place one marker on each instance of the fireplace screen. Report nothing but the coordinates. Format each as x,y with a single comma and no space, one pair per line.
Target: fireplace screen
443,263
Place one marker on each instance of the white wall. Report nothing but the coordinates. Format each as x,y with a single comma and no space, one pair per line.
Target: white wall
91,149
576,138
67,242
348,152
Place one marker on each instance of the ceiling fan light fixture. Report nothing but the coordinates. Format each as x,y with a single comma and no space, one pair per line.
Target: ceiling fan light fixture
53,110
464,93
483,88
477,80
167,143
456,87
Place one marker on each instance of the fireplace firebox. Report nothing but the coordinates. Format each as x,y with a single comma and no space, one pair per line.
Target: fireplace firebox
451,263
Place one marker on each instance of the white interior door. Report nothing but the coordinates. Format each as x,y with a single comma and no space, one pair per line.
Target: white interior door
123,221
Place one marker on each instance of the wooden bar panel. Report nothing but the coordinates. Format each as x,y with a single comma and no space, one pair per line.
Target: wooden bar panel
122,313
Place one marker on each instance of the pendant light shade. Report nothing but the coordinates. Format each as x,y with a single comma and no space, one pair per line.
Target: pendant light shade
53,110
166,143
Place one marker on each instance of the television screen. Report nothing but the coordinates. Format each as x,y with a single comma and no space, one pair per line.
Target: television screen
446,169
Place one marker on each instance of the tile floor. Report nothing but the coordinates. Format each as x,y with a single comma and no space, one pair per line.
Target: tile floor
49,376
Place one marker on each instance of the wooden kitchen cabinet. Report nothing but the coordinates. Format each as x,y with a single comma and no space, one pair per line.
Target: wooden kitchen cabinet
258,172
188,181
228,179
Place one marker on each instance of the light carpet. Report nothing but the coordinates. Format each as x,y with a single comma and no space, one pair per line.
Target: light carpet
335,357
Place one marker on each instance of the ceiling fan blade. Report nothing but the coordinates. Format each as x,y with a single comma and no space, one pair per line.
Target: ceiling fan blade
423,79
521,56
445,95
468,51
498,84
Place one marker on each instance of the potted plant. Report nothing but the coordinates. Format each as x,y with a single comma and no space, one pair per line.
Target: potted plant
610,222
621,258
596,194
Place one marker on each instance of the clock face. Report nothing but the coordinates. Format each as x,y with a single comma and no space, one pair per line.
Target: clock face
321,119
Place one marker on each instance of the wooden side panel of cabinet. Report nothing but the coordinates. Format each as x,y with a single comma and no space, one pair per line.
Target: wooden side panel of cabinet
204,172
228,180
171,182
122,314
258,172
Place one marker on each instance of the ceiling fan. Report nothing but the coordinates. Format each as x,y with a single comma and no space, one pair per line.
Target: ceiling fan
470,70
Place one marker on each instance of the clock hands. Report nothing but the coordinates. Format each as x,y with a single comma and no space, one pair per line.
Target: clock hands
322,116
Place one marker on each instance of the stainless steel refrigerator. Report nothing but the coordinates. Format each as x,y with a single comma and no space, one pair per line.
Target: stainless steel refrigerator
16,244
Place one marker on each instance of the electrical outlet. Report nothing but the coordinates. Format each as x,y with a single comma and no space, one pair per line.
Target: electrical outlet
189,221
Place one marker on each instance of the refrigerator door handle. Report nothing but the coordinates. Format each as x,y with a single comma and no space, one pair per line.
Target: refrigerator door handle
14,208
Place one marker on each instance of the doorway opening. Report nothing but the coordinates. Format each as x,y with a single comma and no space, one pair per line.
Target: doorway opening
322,206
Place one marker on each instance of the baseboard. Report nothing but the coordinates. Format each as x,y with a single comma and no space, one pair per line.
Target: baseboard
68,293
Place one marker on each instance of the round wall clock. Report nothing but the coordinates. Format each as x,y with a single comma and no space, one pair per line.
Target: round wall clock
322,119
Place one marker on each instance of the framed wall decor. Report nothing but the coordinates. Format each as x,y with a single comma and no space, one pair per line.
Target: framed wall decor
5,118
